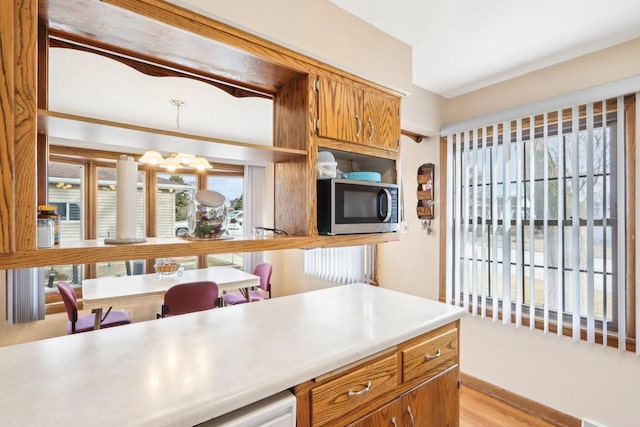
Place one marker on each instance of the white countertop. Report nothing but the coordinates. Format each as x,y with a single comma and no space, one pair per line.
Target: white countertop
186,369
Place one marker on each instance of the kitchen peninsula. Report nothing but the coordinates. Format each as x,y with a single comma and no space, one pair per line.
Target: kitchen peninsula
191,368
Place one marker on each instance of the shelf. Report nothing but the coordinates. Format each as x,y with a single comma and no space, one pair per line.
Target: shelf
357,149
100,132
93,251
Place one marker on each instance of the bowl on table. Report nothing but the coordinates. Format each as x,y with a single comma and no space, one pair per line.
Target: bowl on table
168,268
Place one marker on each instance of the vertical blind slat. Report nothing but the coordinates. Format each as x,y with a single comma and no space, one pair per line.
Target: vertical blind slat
545,221
483,230
458,259
506,223
465,219
474,226
591,329
532,228
621,214
494,220
560,233
519,195
575,224
605,234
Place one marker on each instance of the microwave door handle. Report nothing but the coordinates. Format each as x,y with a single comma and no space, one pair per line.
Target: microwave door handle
389,205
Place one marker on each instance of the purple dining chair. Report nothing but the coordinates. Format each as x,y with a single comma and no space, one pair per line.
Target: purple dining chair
189,297
86,322
263,270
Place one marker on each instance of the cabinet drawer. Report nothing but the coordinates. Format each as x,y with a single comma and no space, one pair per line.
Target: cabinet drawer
339,396
431,356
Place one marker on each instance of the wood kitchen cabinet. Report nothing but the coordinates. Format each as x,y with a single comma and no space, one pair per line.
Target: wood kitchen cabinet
412,384
194,46
353,114
433,403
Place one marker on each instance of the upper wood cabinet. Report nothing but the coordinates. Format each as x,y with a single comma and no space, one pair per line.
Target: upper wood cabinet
350,113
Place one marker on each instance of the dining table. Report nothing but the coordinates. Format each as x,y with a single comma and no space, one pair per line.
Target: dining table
122,291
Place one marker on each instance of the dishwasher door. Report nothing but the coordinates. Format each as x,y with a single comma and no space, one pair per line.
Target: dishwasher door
278,410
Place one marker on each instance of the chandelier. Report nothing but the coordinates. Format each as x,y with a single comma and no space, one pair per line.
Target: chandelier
175,160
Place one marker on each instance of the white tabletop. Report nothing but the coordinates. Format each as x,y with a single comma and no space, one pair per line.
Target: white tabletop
122,290
186,369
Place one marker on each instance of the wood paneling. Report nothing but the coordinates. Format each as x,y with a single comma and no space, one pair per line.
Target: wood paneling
7,166
25,51
154,33
294,195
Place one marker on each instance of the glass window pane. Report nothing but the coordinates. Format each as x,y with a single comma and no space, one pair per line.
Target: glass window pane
66,189
232,188
106,221
174,193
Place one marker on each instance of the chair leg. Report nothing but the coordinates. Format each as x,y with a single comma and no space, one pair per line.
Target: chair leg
97,313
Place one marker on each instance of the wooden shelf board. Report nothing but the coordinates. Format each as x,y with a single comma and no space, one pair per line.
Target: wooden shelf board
92,251
104,132
360,149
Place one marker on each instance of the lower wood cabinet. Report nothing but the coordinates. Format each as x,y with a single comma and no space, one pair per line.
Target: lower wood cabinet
432,404
412,384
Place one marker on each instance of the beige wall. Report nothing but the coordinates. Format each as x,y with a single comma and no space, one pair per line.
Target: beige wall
579,379
604,66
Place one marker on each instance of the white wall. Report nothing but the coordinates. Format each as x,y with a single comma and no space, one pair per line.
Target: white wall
576,378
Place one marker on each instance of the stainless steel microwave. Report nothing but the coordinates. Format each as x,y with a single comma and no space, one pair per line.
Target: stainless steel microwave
347,207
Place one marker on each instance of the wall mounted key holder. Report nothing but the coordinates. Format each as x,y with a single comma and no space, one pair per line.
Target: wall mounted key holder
426,197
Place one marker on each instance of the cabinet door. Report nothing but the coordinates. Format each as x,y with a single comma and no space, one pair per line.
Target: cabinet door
435,403
339,111
381,121
390,415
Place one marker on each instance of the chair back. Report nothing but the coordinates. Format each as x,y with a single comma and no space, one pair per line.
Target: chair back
263,270
69,299
190,297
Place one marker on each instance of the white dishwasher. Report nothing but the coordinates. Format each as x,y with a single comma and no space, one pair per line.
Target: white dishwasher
278,410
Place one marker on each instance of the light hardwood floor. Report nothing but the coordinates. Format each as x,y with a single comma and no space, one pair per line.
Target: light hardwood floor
478,410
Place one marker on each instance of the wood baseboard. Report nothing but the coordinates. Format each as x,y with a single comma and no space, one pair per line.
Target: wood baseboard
529,406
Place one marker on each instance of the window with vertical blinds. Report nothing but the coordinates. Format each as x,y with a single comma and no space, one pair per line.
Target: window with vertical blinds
537,220
341,265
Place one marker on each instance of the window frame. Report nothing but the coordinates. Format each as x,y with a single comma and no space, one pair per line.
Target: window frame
91,160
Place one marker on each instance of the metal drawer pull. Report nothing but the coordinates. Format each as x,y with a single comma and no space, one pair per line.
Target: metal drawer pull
359,125
435,356
357,393
413,421
393,421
